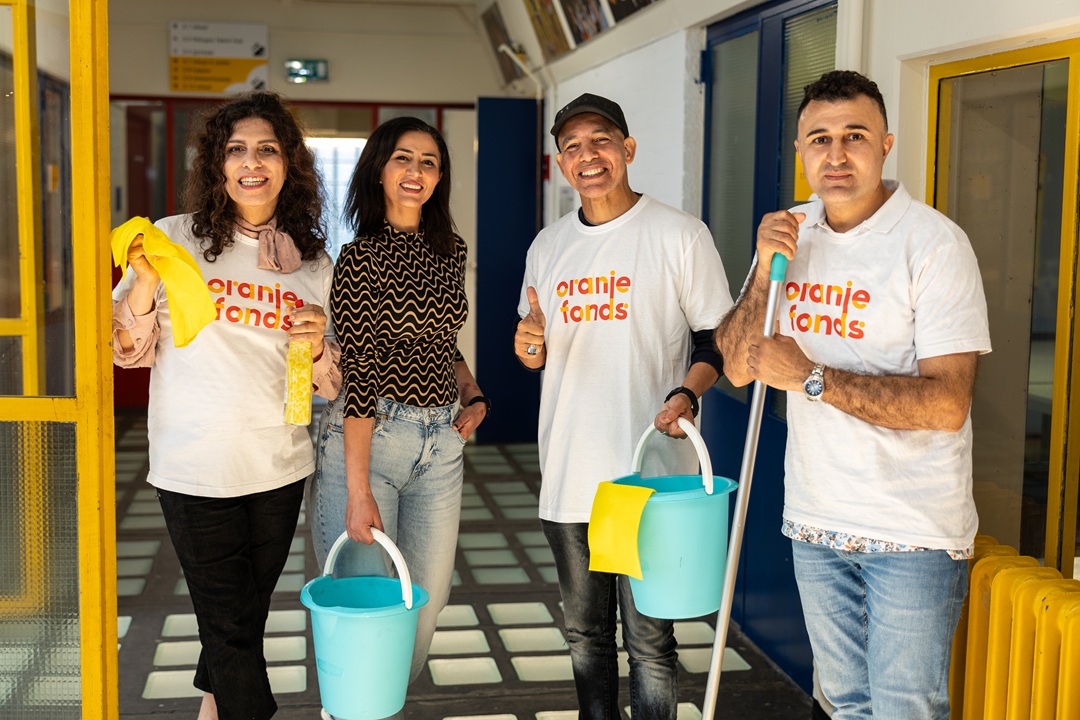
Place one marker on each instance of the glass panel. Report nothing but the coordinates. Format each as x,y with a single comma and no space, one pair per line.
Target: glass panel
732,136
39,572
1001,140
55,260
9,220
59,307
336,157
809,53
138,161
11,374
731,153
184,117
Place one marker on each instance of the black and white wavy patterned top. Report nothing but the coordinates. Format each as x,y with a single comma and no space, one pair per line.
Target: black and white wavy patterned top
397,309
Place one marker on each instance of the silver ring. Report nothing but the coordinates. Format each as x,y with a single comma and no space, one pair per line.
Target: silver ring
531,350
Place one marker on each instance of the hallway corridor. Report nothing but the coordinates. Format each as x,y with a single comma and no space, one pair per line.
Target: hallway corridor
499,653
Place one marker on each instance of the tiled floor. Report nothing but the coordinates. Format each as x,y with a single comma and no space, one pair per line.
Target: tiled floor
499,653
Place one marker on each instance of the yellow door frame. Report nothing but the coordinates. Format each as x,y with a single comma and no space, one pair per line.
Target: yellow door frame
1064,478
91,409
28,327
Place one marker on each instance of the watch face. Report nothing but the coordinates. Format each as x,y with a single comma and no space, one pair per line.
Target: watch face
813,387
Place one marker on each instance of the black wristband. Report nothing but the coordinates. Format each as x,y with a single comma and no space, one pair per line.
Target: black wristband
481,398
694,407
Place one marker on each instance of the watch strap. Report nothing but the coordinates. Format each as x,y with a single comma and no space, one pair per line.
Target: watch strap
694,407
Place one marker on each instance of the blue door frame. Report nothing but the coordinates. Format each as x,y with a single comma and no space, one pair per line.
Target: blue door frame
766,603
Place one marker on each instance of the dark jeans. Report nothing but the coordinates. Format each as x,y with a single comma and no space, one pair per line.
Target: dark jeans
589,603
232,551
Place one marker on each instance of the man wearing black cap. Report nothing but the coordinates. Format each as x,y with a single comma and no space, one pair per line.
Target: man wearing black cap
617,307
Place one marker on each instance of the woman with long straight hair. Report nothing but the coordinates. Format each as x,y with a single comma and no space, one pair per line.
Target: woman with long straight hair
390,445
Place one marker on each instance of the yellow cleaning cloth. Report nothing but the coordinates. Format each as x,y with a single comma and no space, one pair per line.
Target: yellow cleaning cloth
190,304
613,528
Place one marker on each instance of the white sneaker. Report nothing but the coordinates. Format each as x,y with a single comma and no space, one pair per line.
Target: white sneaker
325,715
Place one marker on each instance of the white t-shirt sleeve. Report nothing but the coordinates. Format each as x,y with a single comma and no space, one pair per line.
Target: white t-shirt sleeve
949,303
705,296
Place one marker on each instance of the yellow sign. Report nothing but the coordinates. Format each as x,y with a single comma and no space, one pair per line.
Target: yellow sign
217,58
802,187
213,75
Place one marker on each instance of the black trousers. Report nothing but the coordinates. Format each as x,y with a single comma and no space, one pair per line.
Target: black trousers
232,551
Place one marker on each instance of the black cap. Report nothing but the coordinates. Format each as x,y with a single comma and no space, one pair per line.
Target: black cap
589,103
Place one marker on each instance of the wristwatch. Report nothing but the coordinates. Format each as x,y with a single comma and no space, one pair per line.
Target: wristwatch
814,385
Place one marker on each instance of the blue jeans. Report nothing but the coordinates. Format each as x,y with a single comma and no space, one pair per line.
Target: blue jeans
881,627
415,477
589,602
232,551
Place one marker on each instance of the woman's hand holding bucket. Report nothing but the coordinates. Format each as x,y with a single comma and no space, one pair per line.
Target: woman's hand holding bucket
362,514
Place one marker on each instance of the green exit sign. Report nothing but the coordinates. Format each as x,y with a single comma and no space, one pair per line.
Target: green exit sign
302,71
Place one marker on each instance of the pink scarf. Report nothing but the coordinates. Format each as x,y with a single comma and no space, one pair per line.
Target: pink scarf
277,251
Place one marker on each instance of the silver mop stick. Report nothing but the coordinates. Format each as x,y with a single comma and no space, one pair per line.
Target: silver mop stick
742,498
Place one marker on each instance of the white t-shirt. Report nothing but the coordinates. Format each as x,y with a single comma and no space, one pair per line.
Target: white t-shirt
620,301
215,416
902,286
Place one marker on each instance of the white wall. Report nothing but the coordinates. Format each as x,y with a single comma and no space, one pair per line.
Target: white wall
648,61
377,52
895,42
459,129
903,39
655,85
51,19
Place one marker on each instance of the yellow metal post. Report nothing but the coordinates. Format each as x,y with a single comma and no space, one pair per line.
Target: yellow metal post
30,325
31,322
89,34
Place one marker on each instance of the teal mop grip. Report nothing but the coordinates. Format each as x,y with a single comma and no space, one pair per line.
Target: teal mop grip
778,268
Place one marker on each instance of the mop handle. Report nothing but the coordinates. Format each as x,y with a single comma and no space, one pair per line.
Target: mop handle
742,498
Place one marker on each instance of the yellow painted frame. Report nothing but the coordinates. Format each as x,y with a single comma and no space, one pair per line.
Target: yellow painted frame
91,410
29,326
28,202
89,39
1064,477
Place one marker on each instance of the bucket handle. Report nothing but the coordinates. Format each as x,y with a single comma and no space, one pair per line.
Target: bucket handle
699,445
391,549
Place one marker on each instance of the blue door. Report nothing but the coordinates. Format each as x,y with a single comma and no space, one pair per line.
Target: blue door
756,66
507,220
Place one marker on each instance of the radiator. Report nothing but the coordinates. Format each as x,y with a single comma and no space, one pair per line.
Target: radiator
1016,652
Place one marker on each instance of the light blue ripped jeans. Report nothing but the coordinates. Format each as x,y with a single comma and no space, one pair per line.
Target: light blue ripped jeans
416,473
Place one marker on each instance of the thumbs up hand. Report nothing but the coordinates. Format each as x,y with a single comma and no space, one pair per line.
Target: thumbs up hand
529,338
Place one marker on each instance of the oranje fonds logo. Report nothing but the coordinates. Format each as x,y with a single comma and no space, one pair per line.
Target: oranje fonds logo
826,321
597,298
224,292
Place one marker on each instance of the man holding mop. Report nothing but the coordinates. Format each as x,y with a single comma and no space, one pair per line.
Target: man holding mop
881,321
617,307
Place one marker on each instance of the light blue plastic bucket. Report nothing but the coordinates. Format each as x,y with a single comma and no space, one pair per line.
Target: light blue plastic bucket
364,630
683,537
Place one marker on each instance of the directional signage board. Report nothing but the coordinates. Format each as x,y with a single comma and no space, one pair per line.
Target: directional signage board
217,58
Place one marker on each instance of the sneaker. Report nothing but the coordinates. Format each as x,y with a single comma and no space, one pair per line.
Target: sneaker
325,715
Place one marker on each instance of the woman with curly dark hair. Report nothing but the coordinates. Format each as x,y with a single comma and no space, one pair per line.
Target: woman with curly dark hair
229,472
391,444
